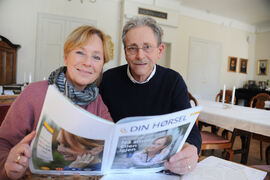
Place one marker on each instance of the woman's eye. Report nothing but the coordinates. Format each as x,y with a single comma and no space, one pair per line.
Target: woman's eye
96,57
80,52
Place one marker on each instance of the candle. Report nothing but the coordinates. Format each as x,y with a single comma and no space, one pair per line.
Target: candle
223,95
233,94
30,77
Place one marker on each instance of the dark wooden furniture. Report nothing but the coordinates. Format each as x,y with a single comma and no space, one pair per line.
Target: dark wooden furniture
258,102
5,103
8,61
247,94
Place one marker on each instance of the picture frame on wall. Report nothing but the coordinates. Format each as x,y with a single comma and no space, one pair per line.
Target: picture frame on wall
232,65
243,65
262,67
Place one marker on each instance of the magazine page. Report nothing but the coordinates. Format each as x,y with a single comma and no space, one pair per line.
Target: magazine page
142,146
69,139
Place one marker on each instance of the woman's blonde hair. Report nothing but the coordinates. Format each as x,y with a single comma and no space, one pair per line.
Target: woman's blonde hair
76,142
167,142
81,35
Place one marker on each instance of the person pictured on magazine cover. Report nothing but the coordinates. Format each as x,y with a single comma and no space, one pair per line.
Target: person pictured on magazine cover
143,88
85,52
84,154
154,154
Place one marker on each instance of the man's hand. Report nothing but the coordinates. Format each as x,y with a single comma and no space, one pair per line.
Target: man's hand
18,158
183,161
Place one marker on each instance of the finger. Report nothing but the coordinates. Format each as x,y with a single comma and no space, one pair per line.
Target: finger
24,161
27,139
15,168
23,150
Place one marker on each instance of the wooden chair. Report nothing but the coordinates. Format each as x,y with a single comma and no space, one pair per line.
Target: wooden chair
3,111
5,103
258,102
211,141
228,97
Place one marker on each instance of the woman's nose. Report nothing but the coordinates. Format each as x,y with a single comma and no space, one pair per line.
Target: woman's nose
60,148
88,61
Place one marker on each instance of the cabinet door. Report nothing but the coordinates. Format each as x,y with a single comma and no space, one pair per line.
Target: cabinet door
7,66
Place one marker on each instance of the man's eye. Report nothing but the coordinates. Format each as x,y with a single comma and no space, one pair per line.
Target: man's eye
132,48
80,52
96,57
147,47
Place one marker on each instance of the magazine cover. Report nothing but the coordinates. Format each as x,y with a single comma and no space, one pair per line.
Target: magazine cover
71,140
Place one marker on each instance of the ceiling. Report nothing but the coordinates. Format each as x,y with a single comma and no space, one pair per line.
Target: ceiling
253,12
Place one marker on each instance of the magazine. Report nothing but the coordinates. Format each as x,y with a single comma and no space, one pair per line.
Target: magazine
70,140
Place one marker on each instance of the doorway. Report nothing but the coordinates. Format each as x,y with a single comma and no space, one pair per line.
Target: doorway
203,78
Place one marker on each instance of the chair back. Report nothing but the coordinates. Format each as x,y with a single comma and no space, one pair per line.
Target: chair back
258,100
194,101
3,111
228,97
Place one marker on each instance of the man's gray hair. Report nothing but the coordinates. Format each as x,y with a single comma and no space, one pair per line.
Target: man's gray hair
143,21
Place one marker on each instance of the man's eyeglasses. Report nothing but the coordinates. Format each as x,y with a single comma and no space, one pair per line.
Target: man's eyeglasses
132,50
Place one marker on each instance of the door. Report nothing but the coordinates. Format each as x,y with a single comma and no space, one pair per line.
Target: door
51,35
204,68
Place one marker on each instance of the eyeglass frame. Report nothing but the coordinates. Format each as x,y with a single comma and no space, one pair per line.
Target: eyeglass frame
137,49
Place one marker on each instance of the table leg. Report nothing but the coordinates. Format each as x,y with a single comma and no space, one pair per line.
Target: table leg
267,155
245,143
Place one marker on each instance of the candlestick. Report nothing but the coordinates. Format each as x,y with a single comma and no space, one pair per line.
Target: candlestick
233,94
223,95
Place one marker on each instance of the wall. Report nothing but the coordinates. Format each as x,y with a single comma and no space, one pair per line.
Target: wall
262,52
18,21
233,42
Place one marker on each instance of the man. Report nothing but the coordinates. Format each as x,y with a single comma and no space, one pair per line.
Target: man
143,88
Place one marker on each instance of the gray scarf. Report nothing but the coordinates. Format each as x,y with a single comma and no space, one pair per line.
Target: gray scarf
82,98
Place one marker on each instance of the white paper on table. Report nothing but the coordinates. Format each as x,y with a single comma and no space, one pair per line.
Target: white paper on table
213,168
8,92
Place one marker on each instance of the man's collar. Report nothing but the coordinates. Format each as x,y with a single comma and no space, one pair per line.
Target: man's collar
137,82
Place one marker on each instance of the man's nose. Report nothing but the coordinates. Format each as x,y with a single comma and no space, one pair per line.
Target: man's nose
140,53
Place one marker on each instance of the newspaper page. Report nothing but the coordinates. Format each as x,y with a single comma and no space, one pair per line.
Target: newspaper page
144,143
69,139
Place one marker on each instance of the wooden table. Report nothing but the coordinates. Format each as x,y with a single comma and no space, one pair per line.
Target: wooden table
244,120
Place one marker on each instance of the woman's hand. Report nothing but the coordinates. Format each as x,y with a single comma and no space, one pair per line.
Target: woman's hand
183,161
18,158
82,161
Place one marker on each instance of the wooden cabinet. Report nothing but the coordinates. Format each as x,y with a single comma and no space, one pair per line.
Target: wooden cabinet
8,61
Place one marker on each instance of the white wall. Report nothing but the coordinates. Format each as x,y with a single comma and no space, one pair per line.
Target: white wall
234,43
18,23
262,51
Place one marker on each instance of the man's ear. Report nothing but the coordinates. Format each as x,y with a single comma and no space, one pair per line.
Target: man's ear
160,50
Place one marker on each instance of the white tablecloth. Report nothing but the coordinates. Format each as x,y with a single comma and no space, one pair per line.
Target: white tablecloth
233,116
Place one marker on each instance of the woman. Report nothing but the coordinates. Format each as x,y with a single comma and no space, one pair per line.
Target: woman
154,153
85,53
84,154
